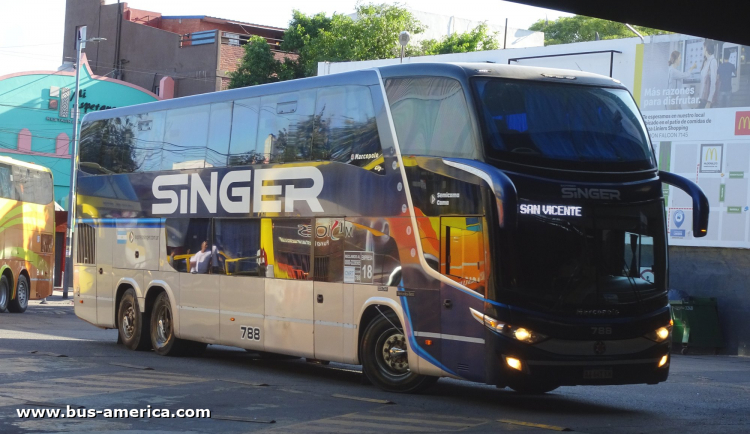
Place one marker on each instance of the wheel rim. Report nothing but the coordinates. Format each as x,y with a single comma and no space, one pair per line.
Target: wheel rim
23,293
392,357
128,321
3,295
163,326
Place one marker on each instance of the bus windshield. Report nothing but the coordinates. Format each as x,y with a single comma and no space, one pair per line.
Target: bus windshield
562,125
606,257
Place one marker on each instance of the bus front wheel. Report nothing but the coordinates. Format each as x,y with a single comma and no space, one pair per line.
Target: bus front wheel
21,302
4,293
384,358
130,325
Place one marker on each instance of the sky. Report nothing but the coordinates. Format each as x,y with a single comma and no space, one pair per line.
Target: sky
31,31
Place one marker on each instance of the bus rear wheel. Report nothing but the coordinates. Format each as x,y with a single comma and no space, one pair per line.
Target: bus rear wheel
21,302
4,293
163,340
132,329
384,358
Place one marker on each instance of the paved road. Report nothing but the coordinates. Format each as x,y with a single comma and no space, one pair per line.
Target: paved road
704,394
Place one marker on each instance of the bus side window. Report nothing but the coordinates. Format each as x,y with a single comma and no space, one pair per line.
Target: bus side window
244,133
370,253
219,127
185,138
286,127
345,128
185,238
6,184
431,117
329,249
462,253
285,248
237,244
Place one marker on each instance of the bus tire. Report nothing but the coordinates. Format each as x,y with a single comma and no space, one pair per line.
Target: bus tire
384,358
4,293
23,291
132,329
163,340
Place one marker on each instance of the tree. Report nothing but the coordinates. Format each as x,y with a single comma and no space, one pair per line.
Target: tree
478,39
579,28
257,66
317,38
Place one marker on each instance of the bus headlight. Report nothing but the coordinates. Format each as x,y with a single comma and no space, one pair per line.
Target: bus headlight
661,334
518,333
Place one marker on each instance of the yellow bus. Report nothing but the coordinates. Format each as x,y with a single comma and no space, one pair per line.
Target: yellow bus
27,234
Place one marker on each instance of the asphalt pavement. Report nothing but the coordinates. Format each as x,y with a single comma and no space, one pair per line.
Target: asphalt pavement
51,360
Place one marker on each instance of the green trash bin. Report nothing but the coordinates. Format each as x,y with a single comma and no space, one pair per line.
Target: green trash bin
696,324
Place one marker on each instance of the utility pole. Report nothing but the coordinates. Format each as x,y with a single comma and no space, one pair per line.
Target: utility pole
68,282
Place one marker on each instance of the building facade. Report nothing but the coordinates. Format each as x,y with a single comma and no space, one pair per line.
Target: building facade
143,47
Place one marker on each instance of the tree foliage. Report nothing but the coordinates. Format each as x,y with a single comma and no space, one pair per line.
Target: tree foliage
579,28
478,39
372,34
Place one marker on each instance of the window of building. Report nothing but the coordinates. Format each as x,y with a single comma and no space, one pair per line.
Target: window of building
345,129
286,127
244,132
237,244
431,117
186,133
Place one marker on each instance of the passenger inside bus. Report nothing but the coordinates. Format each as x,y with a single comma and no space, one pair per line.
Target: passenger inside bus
200,262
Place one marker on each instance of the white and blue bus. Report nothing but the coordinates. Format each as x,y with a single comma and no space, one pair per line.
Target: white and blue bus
498,224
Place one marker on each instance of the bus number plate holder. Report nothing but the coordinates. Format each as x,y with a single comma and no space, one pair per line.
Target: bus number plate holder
597,374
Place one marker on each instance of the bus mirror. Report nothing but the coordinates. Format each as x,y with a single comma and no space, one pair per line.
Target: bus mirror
506,196
700,201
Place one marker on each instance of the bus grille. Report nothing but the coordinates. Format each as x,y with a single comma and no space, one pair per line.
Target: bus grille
86,244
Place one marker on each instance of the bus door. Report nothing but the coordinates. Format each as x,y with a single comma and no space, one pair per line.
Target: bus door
328,288
462,259
199,295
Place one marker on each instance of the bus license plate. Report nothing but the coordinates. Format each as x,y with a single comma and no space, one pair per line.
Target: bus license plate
597,374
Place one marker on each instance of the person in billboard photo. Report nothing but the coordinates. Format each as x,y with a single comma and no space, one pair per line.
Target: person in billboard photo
725,72
675,77
709,76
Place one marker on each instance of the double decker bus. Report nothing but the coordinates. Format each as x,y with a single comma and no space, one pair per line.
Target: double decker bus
498,224
27,234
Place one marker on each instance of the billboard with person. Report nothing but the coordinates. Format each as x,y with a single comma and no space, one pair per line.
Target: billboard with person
695,97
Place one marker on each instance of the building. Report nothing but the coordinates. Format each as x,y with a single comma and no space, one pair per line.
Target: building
144,47
439,26
708,145
36,124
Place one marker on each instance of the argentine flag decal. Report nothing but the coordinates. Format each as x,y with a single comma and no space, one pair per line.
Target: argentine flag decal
122,237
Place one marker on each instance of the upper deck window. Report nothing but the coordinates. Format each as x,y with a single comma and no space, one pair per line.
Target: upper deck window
431,117
562,125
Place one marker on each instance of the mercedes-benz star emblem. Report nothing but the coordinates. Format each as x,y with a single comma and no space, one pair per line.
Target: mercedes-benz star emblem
599,348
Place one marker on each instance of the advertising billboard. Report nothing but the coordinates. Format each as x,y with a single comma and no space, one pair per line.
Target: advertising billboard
695,98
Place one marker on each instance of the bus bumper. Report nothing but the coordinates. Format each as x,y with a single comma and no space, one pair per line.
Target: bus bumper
518,363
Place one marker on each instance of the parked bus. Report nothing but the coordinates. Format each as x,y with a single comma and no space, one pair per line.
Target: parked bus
498,224
27,234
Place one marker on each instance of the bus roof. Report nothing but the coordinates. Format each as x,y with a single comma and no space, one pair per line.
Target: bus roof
13,161
367,77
